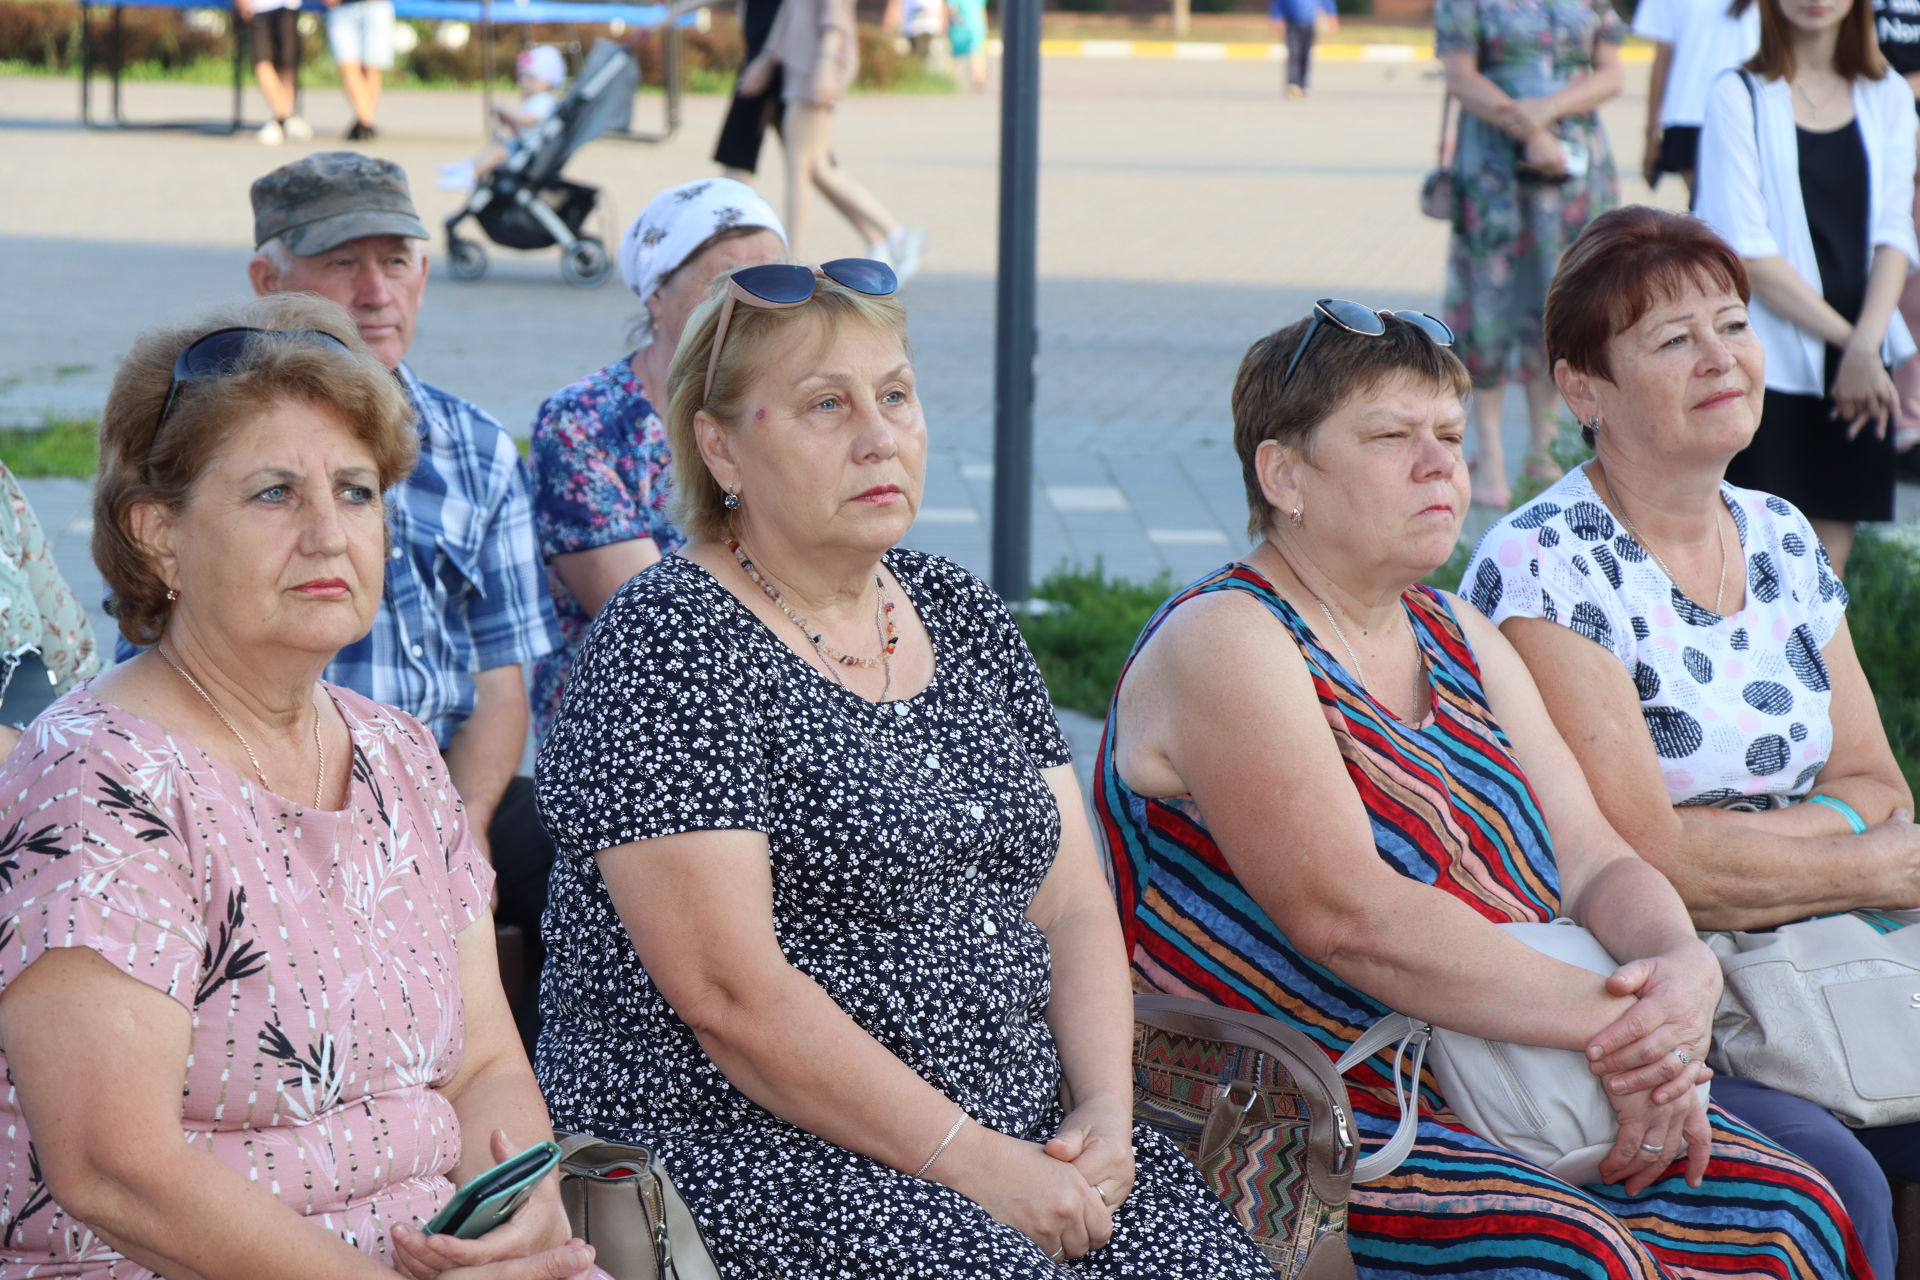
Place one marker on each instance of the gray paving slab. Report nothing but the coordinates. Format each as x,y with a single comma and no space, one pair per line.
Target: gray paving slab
1185,209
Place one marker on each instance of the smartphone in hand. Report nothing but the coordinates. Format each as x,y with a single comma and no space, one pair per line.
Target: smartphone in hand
496,1195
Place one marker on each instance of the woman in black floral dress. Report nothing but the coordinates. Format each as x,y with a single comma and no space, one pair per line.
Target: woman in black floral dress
827,929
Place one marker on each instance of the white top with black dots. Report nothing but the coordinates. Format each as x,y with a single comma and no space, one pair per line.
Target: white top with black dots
1737,706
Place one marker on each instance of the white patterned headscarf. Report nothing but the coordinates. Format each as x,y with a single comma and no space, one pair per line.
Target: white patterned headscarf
677,222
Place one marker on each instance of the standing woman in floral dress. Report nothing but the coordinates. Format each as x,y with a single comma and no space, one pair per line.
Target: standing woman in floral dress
1532,166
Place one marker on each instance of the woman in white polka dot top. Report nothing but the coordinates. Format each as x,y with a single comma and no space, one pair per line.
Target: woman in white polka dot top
1756,773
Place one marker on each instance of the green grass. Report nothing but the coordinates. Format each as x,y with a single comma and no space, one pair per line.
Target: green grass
58,447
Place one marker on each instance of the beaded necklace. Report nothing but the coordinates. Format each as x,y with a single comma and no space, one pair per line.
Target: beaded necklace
884,629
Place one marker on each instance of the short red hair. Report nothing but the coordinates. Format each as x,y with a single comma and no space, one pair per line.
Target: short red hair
1625,261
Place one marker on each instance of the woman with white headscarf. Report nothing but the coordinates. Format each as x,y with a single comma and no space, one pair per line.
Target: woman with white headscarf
600,457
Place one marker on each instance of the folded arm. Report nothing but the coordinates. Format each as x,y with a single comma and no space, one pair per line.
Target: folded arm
1735,870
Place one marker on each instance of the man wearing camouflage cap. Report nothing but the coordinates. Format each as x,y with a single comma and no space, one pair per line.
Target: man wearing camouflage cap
466,603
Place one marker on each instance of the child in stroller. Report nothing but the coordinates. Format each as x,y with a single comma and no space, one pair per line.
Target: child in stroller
540,71
522,201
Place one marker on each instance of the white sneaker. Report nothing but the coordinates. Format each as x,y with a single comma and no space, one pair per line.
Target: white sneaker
271,134
904,247
457,176
298,130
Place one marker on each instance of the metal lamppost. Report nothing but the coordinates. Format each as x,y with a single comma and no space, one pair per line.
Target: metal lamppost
1015,335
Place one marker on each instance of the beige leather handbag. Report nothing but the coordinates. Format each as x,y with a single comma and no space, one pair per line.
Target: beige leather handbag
620,1201
1827,1009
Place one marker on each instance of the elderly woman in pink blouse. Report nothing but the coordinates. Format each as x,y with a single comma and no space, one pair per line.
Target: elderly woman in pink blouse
249,1004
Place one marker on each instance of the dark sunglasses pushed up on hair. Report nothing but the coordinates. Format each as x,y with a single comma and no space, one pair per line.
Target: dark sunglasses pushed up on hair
777,286
1358,318
219,354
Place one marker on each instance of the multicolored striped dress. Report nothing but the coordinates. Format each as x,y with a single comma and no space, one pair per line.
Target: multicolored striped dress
1450,808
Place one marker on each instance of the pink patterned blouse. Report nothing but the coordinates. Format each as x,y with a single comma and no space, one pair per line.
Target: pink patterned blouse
314,950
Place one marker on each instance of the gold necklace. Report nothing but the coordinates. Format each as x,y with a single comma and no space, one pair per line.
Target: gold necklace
1719,535
1359,673
883,625
319,748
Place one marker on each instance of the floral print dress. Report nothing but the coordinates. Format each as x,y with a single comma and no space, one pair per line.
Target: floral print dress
600,476
314,951
1507,235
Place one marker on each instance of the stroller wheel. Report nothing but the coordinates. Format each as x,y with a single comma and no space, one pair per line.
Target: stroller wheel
585,264
467,260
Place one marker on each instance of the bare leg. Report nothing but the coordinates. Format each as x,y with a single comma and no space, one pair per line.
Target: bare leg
809,131
353,79
277,91
373,94
738,175
1542,397
1490,462
1837,537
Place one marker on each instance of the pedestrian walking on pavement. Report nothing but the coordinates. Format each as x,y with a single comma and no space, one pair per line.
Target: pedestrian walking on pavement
1531,168
815,50
1298,20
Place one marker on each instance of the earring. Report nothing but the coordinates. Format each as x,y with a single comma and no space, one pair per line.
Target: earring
1293,517
732,501
172,595
1592,424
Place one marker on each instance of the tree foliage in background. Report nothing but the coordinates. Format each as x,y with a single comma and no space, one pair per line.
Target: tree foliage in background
44,35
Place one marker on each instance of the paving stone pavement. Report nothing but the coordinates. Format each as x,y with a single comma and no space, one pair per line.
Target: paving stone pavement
1185,210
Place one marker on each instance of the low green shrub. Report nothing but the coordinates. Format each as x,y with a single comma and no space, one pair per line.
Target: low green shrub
1883,583
1089,625
1083,639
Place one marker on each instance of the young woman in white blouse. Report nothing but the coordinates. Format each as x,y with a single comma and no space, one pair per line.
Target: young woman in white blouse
1806,167
1691,643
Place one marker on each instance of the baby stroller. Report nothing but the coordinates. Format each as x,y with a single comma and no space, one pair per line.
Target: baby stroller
525,203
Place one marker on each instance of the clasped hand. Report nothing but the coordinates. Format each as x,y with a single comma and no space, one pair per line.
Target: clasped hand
1651,1059
1061,1194
1863,391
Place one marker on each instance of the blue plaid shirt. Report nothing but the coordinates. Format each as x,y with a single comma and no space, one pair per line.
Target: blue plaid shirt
465,590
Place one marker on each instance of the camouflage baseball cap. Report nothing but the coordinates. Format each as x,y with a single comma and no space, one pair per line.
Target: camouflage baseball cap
331,197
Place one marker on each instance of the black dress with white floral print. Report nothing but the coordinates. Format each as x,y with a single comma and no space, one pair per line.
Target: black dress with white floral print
906,840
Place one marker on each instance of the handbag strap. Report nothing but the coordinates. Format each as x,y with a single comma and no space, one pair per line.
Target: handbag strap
1398,1030
1446,118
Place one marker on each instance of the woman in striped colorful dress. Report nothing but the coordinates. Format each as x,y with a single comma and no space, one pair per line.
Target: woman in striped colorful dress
1322,784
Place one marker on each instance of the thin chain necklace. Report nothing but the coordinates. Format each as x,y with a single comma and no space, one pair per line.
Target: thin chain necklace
1719,535
1818,108
883,626
1358,671
319,748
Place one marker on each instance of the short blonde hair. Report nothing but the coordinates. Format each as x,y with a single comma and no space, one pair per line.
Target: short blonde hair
140,462
699,504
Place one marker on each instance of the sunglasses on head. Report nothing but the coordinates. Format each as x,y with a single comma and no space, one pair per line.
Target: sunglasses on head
220,354
780,285
1363,320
